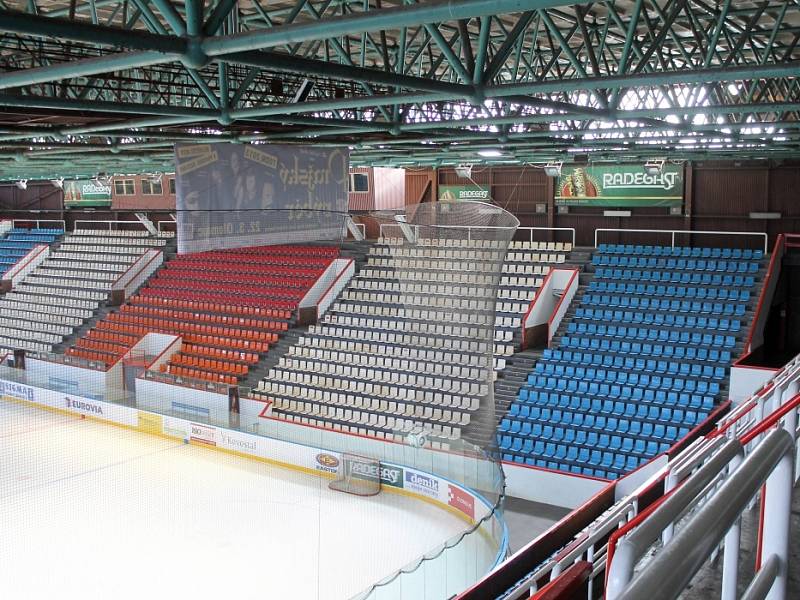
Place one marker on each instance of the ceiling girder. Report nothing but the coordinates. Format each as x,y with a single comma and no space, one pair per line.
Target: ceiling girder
495,72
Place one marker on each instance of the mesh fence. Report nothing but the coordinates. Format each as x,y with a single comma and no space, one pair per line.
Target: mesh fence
437,270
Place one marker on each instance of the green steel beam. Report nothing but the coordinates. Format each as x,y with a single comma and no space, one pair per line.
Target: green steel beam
501,56
218,16
77,31
88,66
435,11
483,43
171,16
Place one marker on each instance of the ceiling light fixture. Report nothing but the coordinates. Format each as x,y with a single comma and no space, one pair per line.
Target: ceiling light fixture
464,171
553,169
654,167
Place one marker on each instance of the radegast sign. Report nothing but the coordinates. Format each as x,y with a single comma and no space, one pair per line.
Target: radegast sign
621,186
454,193
86,192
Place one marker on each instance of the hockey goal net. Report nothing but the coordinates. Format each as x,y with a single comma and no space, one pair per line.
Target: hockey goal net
358,475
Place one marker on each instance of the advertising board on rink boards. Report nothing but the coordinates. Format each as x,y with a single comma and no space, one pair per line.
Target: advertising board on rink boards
71,403
401,478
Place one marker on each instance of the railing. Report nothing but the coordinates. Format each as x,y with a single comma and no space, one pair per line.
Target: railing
589,546
469,229
792,240
68,359
672,232
110,224
571,230
60,222
27,263
189,382
767,291
689,484
160,225
137,273
783,384
770,464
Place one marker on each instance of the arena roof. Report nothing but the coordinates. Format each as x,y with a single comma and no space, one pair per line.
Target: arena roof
110,85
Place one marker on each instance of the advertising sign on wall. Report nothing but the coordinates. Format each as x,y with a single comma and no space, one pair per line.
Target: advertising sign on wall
81,193
454,193
620,186
234,195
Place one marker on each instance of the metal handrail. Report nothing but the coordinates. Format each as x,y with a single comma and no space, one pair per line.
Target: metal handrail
37,221
686,231
109,223
532,229
671,570
469,229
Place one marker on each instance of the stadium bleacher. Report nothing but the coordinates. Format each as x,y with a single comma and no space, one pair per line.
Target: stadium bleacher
643,360
229,306
67,288
398,350
18,241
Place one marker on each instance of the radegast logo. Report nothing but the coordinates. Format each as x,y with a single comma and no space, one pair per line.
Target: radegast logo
416,482
392,476
16,390
83,406
327,462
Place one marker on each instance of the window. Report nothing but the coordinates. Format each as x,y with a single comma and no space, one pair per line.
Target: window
124,187
359,182
172,185
151,187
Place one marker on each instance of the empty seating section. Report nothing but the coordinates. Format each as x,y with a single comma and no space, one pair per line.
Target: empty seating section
406,347
67,287
228,306
524,270
643,360
19,241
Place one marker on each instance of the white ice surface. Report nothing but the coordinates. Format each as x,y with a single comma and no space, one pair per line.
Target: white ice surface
92,511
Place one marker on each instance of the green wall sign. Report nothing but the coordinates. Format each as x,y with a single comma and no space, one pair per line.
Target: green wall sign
453,193
620,186
79,193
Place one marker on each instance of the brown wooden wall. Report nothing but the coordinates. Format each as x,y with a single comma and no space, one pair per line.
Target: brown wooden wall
141,201
718,196
363,201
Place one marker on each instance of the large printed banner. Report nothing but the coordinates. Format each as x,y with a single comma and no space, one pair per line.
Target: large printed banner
620,186
234,195
79,193
454,193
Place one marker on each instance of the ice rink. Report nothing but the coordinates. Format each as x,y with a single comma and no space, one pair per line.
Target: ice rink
95,511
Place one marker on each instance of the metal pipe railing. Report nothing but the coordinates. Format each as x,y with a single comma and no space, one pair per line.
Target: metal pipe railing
61,222
672,569
683,231
110,224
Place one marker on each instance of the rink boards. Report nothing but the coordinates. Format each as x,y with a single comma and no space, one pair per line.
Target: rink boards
458,499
